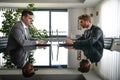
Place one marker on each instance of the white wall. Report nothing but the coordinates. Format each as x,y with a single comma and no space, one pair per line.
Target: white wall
73,30
73,17
108,67
73,21
109,18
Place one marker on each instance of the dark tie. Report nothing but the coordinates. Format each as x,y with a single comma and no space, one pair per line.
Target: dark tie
86,33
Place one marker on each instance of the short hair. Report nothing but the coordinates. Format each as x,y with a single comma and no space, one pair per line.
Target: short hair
26,11
85,17
27,74
84,66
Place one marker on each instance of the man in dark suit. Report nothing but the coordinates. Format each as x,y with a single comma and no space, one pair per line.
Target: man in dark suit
19,34
93,36
92,39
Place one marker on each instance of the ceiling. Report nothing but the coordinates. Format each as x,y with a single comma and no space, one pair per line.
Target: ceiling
50,3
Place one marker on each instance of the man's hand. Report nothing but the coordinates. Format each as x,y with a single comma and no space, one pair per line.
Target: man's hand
69,41
42,42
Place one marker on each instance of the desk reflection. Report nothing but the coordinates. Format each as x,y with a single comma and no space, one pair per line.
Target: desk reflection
108,58
20,55
92,56
91,53
20,58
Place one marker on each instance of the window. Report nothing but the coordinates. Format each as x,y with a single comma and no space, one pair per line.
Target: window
56,24
41,20
1,19
59,22
52,21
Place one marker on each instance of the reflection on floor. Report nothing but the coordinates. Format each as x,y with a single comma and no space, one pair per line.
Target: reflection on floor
49,74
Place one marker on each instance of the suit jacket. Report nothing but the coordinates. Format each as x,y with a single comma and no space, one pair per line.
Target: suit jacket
92,54
17,37
20,56
91,38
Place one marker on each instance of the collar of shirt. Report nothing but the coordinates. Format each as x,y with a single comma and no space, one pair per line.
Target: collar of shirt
24,25
24,64
25,61
89,27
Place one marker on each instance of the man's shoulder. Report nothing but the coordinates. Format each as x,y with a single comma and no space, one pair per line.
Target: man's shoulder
96,27
17,25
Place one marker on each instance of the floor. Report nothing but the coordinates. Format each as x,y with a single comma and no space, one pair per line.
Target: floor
91,76
49,74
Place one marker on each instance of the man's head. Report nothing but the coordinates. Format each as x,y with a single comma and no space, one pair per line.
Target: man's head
84,65
84,20
28,70
27,17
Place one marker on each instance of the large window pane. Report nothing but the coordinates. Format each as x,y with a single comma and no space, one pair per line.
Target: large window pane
59,22
41,20
1,19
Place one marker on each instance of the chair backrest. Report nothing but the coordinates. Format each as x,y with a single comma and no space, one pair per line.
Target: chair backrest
108,43
116,45
3,42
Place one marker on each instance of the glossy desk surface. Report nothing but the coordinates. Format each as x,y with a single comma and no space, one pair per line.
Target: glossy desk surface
109,58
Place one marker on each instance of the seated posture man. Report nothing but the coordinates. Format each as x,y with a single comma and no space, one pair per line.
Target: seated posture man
92,37
19,34
19,37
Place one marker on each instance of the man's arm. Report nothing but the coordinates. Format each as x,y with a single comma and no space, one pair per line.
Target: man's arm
94,36
19,36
